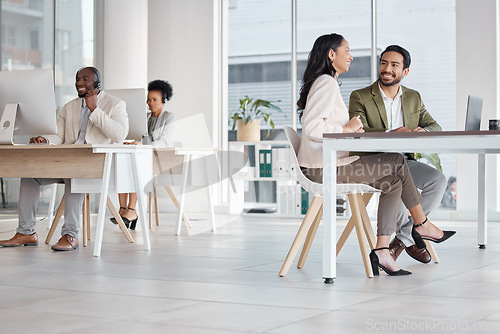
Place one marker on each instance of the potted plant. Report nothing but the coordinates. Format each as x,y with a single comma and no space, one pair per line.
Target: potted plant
248,117
432,159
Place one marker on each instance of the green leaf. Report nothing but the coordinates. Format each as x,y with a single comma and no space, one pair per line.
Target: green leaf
235,117
251,109
432,159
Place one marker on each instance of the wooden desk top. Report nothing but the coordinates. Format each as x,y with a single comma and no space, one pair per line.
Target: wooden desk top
50,161
44,147
165,161
75,161
170,160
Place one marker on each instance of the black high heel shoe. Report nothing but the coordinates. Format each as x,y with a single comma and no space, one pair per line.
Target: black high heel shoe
132,223
419,240
376,264
113,219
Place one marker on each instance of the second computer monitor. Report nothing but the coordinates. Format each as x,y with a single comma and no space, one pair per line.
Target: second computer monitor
135,98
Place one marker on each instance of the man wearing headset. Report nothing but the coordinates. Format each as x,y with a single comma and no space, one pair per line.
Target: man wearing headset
95,117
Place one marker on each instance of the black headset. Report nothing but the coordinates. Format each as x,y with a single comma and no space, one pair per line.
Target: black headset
97,83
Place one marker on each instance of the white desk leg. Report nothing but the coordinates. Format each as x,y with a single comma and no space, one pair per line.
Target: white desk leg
102,203
185,172
209,194
482,206
141,201
329,213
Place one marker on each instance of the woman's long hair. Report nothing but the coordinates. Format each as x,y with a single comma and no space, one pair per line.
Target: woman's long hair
318,64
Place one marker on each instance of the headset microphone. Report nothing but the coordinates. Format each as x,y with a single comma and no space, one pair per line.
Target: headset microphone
97,83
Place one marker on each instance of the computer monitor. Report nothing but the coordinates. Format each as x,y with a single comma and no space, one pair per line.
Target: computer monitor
135,98
27,104
473,115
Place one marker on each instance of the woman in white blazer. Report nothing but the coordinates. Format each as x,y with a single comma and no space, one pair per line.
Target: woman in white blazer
322,110
160,128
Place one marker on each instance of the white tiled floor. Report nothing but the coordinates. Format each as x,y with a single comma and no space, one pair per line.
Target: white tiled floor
227,282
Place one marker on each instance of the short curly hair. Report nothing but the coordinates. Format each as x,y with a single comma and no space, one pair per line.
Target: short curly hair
163,87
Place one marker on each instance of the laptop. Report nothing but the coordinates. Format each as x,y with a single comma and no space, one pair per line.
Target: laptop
473,115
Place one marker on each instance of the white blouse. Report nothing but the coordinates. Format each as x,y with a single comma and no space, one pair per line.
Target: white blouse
325,112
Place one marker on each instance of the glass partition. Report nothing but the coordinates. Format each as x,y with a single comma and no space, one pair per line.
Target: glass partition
259,49
349,18
427,30
32,37
74,40
27,30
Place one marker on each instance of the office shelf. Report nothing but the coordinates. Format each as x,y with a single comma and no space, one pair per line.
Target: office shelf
282,189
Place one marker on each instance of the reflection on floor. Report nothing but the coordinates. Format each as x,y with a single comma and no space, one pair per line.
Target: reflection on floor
228,282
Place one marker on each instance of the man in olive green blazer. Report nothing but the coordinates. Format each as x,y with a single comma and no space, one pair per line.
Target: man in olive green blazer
367,103
387,106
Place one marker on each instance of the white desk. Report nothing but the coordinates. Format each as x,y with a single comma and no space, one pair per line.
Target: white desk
132,171
203,155
90,168
471,142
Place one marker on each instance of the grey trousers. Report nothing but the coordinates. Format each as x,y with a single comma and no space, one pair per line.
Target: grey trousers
29,196
432,184
387,172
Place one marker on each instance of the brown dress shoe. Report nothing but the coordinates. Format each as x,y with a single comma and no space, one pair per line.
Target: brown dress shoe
21,240
396,248
421,255
66,243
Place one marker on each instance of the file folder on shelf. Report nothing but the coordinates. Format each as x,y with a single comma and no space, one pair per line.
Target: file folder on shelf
265,163
304,201
262,163
269,163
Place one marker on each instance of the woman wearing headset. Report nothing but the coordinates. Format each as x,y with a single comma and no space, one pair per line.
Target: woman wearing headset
160,128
